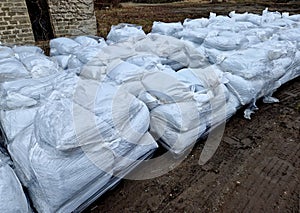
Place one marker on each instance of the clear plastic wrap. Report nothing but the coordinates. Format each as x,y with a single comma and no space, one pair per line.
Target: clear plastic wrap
12,197
123,32
73,137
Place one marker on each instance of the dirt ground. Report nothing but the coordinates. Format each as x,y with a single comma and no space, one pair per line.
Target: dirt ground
144,15
257,166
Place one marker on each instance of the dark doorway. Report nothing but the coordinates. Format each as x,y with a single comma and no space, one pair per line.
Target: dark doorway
40,19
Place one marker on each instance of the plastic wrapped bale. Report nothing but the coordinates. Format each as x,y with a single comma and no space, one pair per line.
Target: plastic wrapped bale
193,24
247,91
169,29
258,62
280,49
294,17
40,66
189,78
63,147
275,20
146,61
90,48
12,69
249,63
123,72
12,197
88,40
290,34
263,34
280,23
22,52
225,41
243,17
220,23
246,17
14,121
26,93
180,106
62,60
74,63
63,46
121,116
75,52
291,72
123,32
32,58
88,53
216,56
57,181
166,88
6,52
178,125
241,27
254,19
240,21
270,16
197,36
170,51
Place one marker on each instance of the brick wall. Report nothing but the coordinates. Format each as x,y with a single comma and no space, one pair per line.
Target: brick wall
73,17
68,17
15,25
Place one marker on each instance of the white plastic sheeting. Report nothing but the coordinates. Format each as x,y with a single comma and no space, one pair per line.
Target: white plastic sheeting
248,56
53,151
12,197
255,52
71,54
124,32
95,107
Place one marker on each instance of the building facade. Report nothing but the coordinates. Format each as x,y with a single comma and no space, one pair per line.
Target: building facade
27,21
15,25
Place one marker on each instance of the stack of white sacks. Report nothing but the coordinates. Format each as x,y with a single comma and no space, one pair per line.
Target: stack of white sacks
87,113
62,158
12,197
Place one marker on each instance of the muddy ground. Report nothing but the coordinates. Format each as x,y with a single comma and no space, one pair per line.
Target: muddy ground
257,166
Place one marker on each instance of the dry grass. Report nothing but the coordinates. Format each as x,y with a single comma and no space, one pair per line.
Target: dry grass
144,15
